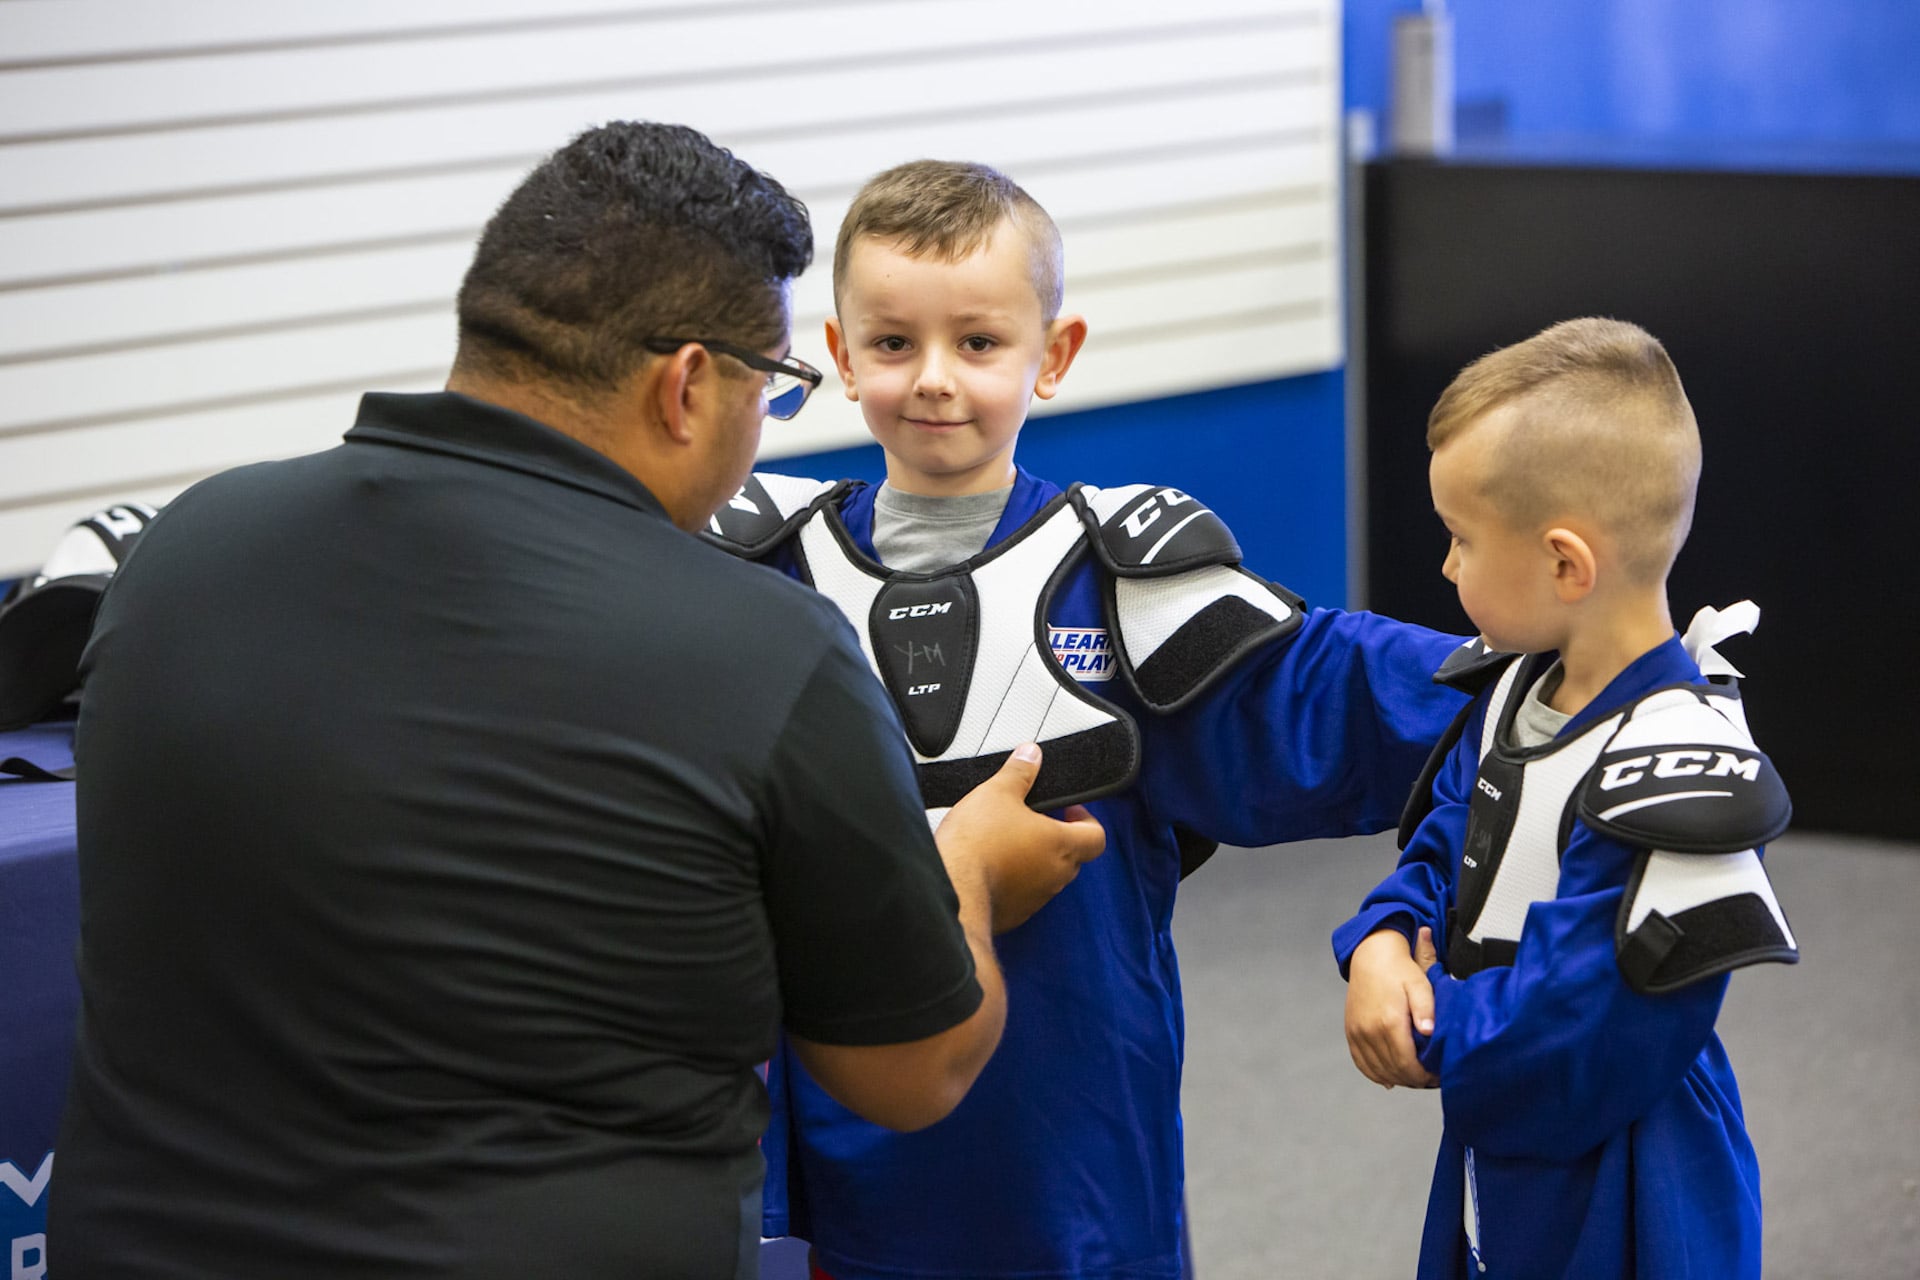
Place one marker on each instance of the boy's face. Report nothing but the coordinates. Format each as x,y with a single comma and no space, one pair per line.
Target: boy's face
1504,574
944,358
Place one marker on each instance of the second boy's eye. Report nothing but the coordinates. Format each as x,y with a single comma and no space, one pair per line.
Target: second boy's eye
978,344
892,344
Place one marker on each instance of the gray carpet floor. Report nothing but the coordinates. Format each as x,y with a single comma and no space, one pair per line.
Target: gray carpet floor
1299,1167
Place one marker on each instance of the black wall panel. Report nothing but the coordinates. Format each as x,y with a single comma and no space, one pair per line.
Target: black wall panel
1791,305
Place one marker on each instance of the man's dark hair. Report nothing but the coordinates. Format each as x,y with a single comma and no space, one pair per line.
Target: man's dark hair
631,231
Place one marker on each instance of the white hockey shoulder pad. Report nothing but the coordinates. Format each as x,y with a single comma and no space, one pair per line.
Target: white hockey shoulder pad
1179,605
1686,784
767,510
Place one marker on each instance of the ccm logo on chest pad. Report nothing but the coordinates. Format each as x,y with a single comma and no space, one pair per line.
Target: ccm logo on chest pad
924,635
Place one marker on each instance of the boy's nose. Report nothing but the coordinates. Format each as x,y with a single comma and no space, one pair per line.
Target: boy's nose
1450,567
935,378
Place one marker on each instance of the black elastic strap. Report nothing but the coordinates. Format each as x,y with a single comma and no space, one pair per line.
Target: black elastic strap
21,767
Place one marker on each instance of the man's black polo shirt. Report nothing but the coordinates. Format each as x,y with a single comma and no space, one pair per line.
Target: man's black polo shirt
454,832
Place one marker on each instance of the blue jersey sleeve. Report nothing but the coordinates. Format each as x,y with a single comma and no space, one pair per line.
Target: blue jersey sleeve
1547,1057
1421,889
1320,734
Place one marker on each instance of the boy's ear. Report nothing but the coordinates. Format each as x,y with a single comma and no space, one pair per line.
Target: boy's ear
1575,566
837,345
1064,337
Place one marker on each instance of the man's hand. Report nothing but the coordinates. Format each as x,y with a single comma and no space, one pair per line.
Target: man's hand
1388,999
1021,857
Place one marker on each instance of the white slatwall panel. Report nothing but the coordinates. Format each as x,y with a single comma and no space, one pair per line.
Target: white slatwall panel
222,220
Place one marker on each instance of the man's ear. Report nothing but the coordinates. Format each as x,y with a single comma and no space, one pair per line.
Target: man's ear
1575,566
672,384
837,345
1064,337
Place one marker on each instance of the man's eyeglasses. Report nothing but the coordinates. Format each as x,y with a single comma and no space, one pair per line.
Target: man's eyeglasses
789,381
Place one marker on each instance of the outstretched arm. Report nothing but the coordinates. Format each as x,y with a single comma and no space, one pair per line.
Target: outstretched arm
1319,734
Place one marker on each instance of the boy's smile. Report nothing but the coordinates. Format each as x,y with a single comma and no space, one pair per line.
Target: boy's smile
944,358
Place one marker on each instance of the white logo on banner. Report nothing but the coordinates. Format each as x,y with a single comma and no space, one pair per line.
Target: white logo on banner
28,1189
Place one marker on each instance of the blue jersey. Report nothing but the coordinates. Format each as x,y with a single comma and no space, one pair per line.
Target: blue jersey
1590,1130
1065,1158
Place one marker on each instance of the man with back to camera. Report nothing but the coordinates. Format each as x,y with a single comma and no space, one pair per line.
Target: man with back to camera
455,830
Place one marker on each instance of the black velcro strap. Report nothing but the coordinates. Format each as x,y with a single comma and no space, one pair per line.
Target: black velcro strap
1205,645
21,767
1700,942
1077,767
1643,951
1466,957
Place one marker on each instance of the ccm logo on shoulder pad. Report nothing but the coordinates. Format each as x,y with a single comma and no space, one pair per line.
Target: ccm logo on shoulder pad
1687,797
1146,531
1680,762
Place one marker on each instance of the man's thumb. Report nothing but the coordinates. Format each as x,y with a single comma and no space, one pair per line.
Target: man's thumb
1023,766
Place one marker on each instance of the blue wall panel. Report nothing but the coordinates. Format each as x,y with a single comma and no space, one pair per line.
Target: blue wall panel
1269,457
1844,73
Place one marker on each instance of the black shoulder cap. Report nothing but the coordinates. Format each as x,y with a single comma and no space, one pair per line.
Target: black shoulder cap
1472,667
1149,531
1680,776
766,511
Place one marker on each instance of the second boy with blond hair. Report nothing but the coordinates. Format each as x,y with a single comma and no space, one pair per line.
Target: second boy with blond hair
1587,855
1182,698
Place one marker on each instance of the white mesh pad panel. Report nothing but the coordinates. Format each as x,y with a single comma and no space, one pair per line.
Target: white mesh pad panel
1676,882
1678,715
1529,870
1016,697
840,580
1151,609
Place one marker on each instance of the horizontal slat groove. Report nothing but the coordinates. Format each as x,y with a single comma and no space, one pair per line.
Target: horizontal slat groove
1243,319
741,140
109,493
242,400
1310,252
439,31
1031,173
223,261
821,68
186,337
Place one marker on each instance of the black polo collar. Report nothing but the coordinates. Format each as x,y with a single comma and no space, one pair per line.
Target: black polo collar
463,427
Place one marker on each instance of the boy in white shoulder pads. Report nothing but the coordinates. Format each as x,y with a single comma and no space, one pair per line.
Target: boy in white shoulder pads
1183,699
1584,850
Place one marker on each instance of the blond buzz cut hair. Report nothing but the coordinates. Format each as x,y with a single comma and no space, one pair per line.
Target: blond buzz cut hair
948,209
1597,426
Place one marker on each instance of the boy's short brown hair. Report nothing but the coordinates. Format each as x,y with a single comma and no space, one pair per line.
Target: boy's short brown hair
950,208
1598,426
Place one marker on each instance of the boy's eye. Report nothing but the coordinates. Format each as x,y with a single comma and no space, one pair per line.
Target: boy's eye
978,344
892,343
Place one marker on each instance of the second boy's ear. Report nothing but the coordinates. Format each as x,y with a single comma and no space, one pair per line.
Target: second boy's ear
1064,337
837,345
1575,566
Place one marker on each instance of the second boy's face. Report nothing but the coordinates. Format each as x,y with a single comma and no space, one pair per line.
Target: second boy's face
1503,574
944,358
